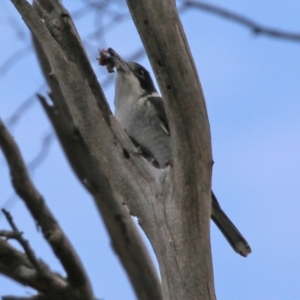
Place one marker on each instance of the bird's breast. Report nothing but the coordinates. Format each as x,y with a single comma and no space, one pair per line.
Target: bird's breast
142,123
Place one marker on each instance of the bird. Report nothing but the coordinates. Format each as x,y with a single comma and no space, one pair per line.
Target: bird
139,108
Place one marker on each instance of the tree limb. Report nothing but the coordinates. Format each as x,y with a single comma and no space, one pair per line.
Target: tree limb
126,240
17,235
16,265
186,265
244,21
43,216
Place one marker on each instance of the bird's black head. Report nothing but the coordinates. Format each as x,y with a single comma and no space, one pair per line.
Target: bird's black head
133,80
143,77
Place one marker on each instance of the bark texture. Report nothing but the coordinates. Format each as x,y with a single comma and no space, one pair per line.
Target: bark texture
173,204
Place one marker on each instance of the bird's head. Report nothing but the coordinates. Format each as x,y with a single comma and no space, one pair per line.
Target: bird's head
133,80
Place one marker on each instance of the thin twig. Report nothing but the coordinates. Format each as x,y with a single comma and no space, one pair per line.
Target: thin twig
47,140
244,21
14,58
24,106
24,243
37,297
9,234
16,265
43,153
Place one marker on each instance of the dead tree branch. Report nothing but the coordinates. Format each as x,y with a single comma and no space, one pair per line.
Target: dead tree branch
126,240
13,59
187,212
44,218
17,235
17,266
21,110
244,21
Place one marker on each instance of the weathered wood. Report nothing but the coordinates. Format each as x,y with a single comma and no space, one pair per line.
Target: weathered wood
172,205
182,245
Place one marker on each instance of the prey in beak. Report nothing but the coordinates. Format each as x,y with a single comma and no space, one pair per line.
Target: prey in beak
111,59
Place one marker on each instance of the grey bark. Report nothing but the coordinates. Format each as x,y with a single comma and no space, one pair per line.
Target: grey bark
187,207
172,205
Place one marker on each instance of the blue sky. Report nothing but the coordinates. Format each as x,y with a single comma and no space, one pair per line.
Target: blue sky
252,87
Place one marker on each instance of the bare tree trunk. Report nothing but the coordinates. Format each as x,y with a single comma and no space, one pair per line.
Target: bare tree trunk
185,257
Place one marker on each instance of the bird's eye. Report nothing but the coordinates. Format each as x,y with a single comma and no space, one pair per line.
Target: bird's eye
141,72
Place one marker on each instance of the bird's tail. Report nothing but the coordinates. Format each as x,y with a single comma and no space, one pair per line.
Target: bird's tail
231,233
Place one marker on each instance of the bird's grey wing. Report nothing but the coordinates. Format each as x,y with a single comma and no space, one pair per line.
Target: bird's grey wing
159,107
145,152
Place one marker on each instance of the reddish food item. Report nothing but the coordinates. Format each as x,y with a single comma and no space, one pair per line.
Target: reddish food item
107,60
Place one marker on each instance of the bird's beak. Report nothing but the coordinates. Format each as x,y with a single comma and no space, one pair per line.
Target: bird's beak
120,64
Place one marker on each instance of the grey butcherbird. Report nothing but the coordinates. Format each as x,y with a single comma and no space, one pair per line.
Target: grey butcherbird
140,110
